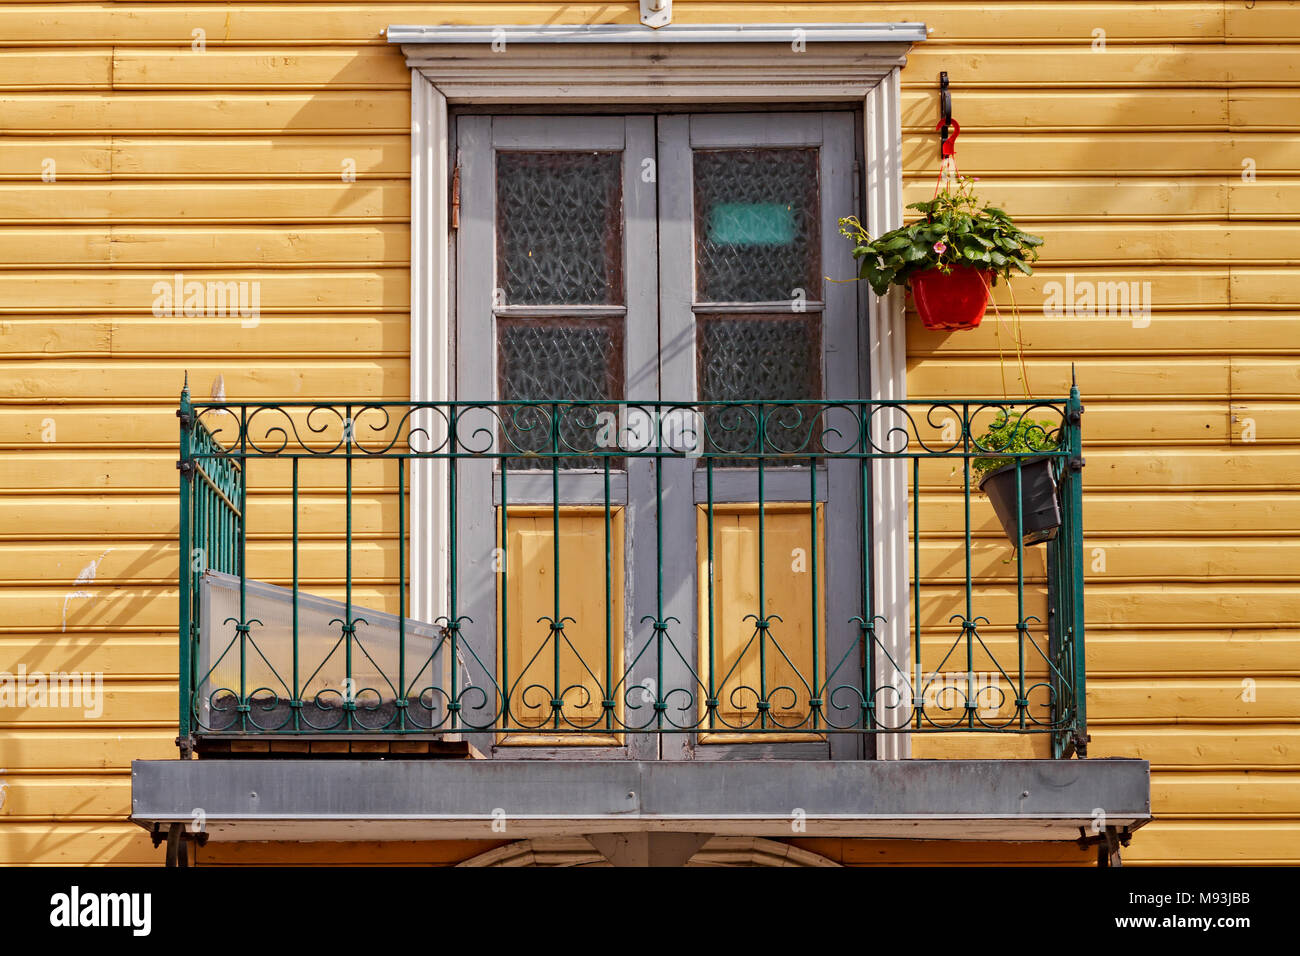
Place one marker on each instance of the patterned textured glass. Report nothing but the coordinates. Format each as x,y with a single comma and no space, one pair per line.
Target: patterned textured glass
752,359
560,228
757,225
560,360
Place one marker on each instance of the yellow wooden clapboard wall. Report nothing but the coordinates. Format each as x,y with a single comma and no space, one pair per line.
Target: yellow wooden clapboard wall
1149,142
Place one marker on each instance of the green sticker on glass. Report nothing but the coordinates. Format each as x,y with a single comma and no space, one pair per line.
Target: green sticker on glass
751,224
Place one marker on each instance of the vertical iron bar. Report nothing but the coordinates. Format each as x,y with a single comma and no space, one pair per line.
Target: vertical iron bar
1058,671
209,532
505,593
609,598
815,683
969,623
557,625
919,683
713,690
401,594
1020,593
762,570
349,626
204,539
453,567
660,624
241,530
218,532
868,625
296,703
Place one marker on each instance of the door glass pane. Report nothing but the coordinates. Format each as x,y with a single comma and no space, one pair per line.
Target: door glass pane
757,234
557,360
560,228
752,359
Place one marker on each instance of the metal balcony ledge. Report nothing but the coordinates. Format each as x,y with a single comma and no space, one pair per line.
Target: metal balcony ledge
310,800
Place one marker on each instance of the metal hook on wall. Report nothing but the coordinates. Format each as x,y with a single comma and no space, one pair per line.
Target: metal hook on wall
945,108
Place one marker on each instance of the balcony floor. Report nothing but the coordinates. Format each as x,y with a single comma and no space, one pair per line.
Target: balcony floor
333,800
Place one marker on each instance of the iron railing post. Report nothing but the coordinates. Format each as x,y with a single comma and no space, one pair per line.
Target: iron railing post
186,467
1074,504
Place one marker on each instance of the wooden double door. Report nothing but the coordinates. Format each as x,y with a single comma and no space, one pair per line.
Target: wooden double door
622,601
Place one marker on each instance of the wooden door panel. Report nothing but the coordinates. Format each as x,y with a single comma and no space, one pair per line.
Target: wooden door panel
745,664
580,663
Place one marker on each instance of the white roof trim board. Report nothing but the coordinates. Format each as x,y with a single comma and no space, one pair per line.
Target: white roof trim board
631,64
674,33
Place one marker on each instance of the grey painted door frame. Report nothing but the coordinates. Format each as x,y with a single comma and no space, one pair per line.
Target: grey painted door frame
617,67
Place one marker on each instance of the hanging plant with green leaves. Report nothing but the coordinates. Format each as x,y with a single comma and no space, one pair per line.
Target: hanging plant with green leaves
1024,498
954,229
1013,436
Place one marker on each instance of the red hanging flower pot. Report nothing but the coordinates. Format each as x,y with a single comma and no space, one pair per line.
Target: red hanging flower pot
951,300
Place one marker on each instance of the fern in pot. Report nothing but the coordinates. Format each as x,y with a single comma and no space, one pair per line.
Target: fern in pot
949,259
1008,440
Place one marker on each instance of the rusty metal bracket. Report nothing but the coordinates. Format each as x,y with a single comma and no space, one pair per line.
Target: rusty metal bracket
1108,843
177,837
1080,744
177,854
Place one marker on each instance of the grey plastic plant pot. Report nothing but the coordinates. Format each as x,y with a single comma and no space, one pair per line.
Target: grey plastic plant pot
1041,512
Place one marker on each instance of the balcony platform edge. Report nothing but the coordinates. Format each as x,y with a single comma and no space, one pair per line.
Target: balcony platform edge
381,800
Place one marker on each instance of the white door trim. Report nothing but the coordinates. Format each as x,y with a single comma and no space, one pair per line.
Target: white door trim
431,342
883,151
620,65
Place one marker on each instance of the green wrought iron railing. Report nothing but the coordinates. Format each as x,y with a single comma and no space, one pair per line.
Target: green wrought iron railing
294,533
